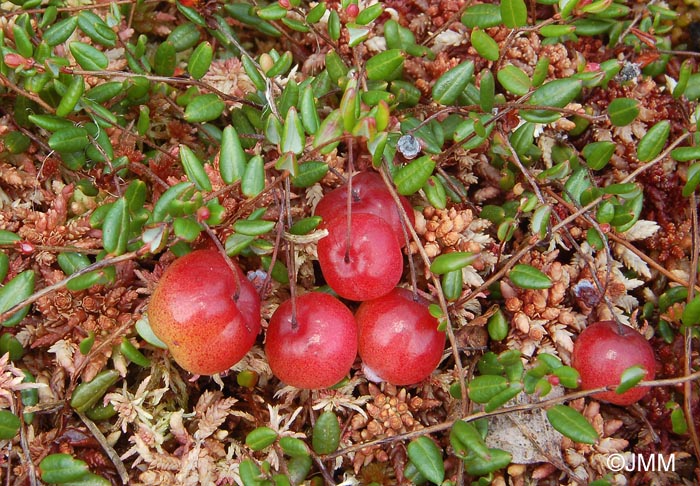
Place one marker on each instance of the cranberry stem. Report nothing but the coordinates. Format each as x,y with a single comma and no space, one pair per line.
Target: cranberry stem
278,239
348,234
227,259
411,263
291,263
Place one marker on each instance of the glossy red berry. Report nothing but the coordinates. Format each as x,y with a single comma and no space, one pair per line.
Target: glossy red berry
369,195
198,310
398,338
370,266
603,351
316,351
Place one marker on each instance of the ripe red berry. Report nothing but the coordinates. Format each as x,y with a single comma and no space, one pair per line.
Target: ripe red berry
370,266
319,349
353,10
398,338
603,351
369,195
194,310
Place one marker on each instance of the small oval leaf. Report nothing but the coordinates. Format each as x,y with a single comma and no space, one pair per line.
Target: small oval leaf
653,141
260,438
528,277
427,457
572,424
326,434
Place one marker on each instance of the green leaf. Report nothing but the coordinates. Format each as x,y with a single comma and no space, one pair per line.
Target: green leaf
162,208
101,276
483,15
528,277
305,226
298,468
309,173
485,45
255,227
281,66
59,32
427,457
448,262
292,134
9,425
692,179
678,423
630,377
410,178
598,154
331,129
88,57
71,96
539,222
685,154
253,181
691,312
500,399
326,434
87,394
369,14
164,60
653,141
8,237
293,447
477,466
274,11
67,140
568,376
200,60
498,326
308,111
487,90
204,108
184,36
513,13
15,291
452,285
194,169
557,93
62,468
250,473
435,192
186,229
386,65
465,438
557,30
133,354
260,438
135,195
96,28
572,424
143,328
72,262
232,159
484,388
115,228
623,111
450,85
